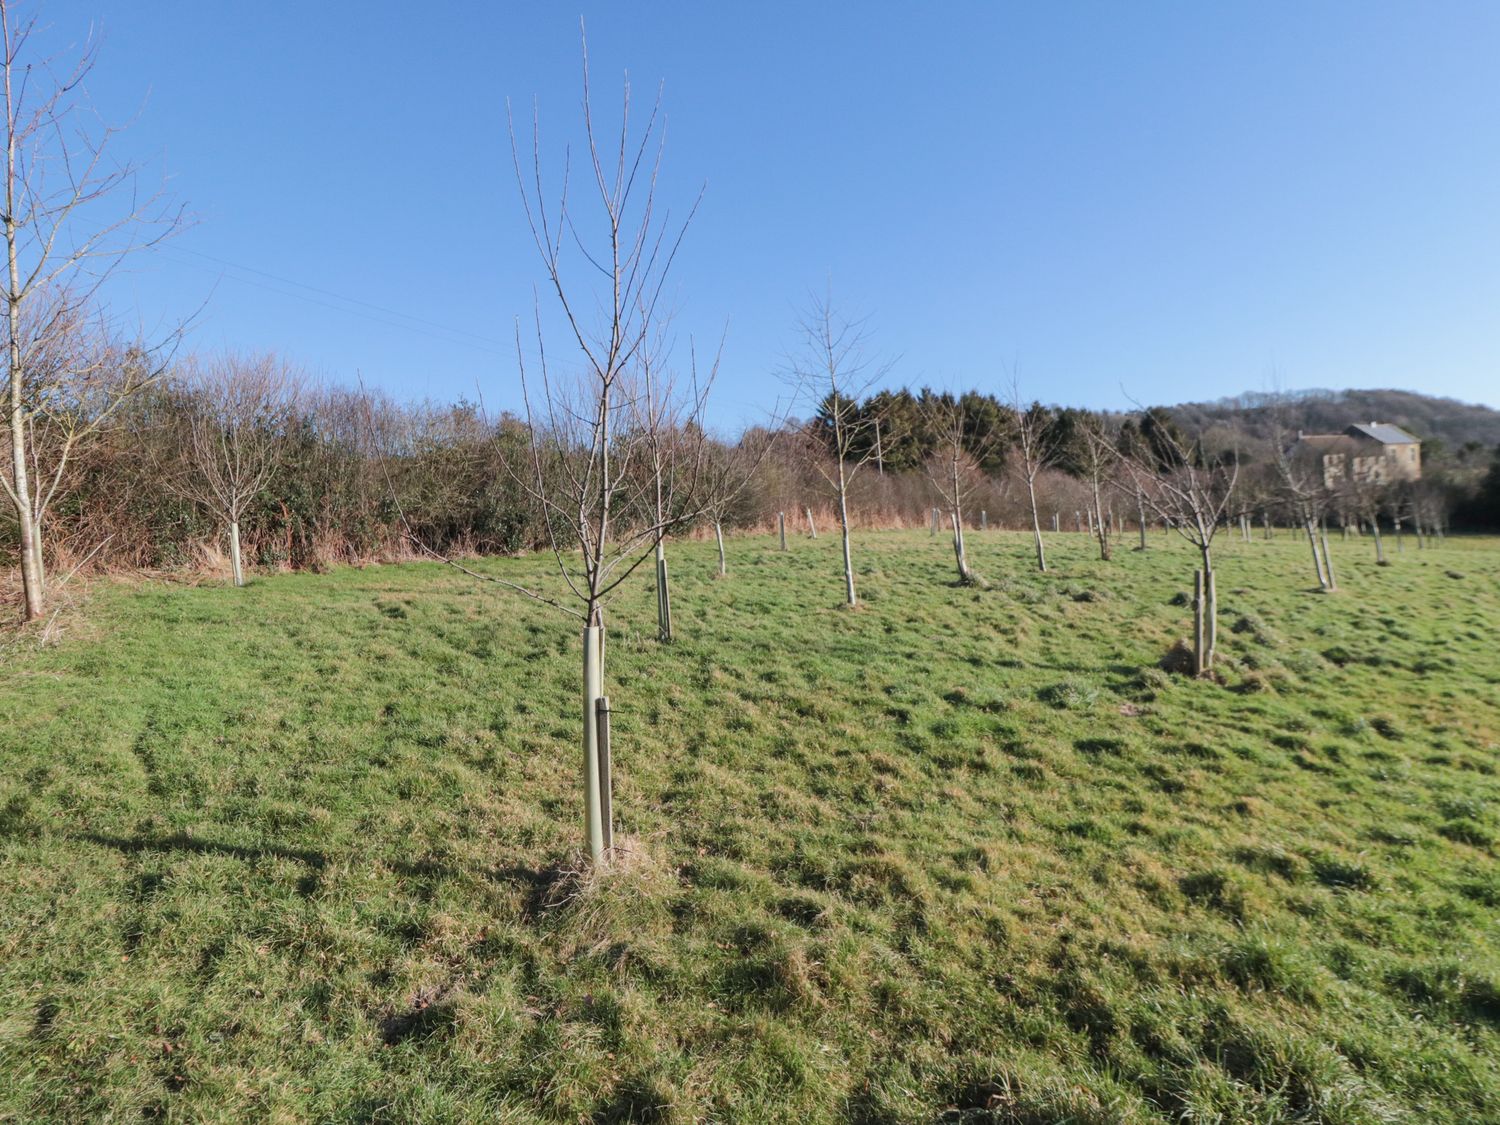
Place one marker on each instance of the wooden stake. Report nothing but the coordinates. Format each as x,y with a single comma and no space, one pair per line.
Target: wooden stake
1333,583
606,773
781,518
234,554
1211,622
593,678
663,598
958,550
1317,558
1198,664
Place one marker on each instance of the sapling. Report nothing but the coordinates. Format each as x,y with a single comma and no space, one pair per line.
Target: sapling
961,442
831,368
73,212
1035,439
592,429
1191,492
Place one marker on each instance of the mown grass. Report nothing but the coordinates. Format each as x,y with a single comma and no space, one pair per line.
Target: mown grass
298,851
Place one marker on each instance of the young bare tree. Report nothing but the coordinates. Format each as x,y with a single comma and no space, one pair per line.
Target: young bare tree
594,426
1192,494
953,470
1035,440
731,469
79,380
832,369
1302,490
72,214
665,415
1367,496
1099,458
235,414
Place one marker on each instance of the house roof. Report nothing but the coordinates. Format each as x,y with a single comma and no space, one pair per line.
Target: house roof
1383,432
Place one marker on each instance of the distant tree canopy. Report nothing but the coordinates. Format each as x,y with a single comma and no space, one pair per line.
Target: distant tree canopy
899,420
1453,423
362,476
895,425
1483,510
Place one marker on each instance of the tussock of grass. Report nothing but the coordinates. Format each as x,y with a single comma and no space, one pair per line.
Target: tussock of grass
295,852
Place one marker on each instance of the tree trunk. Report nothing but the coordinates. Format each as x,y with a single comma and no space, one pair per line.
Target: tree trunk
593,688
234,553
1379,545
31,574
1036,526
31,586
719,538
984,520
39,566
1210,611
812,529
1327,558
1140,513
781,519
958,548
844,527
1198,631
1101,525
663,594
1312,540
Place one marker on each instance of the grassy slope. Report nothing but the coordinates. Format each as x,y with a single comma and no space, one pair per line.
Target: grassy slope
285,852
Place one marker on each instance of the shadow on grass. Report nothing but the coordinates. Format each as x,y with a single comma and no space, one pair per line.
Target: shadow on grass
538,883
134,845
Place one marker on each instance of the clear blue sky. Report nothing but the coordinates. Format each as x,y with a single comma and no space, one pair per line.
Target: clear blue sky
1184,200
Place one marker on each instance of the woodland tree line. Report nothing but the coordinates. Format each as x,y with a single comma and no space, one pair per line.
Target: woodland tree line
349,475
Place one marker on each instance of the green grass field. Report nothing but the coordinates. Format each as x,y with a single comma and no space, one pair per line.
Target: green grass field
293,852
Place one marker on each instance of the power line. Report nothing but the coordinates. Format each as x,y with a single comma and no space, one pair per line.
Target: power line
441,328
341,296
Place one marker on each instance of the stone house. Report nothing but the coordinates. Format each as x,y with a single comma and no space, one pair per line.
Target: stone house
1369,453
